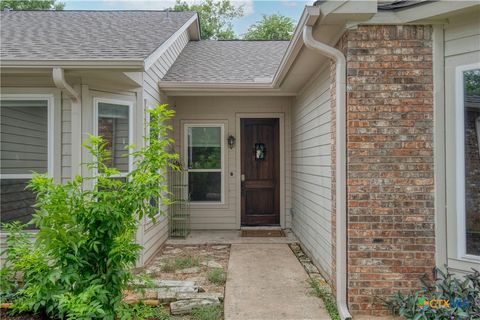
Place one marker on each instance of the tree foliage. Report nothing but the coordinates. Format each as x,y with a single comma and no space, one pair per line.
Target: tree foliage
273,27
85,246
32,4
215,17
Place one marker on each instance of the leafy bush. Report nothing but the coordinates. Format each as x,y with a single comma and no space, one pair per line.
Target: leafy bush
85,247
217,276
447,298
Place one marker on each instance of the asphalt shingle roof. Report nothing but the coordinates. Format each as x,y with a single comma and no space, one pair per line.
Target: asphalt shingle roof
86,35
227,61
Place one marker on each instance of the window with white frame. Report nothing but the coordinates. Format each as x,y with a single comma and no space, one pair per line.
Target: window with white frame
468,159
204,162
26,146
113,123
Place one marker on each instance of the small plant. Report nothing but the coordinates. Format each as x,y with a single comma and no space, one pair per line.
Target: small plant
448,297
208,313
183,262
141,311
328,300
169,266
217,276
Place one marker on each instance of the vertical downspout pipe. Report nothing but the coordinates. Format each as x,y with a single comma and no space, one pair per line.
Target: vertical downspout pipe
341,165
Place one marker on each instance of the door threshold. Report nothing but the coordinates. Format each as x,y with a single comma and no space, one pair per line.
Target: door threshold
261,228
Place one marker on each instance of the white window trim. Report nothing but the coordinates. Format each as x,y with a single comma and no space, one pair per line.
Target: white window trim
50,132
460,162
222,154
96,101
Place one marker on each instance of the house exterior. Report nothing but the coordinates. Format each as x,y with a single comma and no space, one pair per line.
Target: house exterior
361,134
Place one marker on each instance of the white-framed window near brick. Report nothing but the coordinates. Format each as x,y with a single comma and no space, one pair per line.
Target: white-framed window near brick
468,160
26,135
113,122
204,149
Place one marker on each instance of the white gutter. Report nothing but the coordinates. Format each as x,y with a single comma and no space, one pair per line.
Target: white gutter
61,83
341,172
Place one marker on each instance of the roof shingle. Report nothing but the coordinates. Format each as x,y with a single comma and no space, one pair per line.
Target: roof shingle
86,35
227,61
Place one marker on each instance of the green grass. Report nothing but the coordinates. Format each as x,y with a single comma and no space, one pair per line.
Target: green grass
327,298
217,276
181,262
208,313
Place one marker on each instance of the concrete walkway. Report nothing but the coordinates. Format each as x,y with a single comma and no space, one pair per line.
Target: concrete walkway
266,281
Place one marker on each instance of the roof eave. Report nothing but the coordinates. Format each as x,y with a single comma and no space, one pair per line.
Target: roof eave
180,88
75,64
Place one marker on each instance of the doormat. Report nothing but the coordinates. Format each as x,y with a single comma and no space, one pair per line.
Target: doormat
263,233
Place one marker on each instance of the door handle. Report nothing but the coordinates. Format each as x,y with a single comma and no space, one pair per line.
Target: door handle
242,178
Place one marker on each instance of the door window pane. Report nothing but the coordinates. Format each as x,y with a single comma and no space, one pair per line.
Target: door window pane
204,148
113,126
205,186
472,160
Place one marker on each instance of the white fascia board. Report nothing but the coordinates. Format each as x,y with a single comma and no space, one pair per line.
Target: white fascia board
421,14
74,64
155,55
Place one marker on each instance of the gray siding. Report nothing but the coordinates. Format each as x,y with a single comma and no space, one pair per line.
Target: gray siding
154,235
311,170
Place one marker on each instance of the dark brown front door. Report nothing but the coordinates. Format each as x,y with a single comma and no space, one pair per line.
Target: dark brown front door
260,151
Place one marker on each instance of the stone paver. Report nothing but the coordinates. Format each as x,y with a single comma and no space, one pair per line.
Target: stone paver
266,281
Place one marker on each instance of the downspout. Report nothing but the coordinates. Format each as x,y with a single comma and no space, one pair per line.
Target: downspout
60,82
341,172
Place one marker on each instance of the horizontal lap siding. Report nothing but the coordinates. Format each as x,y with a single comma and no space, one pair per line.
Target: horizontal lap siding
311,170
155,235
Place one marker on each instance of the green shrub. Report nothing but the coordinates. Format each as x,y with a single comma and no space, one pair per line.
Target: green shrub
208,313
85,247
448,297
217,276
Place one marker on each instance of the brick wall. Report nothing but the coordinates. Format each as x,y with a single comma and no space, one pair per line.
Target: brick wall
389,162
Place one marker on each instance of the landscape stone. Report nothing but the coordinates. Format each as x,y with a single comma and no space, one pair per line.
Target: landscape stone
178,289
199,295
187,306
212,264
310,267
219,247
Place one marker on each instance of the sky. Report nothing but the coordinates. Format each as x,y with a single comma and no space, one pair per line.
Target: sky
253,9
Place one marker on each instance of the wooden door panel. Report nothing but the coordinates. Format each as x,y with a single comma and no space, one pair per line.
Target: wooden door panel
260,188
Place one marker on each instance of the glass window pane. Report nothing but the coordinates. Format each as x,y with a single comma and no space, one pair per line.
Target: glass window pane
113,125
16,201
24,136
472,159
205,186
204,148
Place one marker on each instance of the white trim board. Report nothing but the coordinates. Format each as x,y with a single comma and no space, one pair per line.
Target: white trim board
460,162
